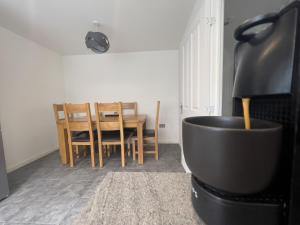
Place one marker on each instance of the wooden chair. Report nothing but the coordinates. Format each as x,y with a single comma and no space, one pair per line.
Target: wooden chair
60,115
110,129
130,106
58,112
149,135
83,125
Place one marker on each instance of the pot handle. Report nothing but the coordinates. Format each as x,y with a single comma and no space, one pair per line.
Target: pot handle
258,20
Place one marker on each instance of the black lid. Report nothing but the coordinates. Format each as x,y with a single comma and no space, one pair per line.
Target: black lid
264,61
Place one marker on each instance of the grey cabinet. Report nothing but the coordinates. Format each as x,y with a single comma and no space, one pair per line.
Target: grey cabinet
3,177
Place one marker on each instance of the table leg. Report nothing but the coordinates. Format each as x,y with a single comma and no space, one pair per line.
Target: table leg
63,144
140,143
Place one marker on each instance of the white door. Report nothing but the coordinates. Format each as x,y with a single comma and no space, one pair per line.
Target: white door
201,63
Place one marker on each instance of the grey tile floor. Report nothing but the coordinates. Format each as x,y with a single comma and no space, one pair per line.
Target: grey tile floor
47,193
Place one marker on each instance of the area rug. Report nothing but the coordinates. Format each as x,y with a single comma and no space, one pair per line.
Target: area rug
128,198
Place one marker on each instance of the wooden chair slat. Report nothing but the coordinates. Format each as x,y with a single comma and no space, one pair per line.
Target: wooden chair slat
108,107
109,126
77,108
79,126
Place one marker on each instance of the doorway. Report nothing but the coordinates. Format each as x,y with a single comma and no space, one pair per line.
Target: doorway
200,62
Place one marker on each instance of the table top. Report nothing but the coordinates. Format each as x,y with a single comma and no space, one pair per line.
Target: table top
126,118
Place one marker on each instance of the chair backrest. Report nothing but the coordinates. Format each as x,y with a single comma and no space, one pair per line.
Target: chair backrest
82,123
105,123
58,111
130,106
157,118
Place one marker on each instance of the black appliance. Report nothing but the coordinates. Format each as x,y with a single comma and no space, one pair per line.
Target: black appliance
267,69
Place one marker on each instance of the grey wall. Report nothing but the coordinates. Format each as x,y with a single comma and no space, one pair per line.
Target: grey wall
236,11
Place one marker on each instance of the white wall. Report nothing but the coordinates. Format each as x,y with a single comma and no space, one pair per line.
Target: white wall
144,77
30,81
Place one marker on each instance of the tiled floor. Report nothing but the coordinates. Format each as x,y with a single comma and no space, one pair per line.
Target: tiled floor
47,193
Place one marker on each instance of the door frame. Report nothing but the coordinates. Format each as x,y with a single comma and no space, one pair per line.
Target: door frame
216,58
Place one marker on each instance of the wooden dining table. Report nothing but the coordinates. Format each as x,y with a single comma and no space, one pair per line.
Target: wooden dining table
130,121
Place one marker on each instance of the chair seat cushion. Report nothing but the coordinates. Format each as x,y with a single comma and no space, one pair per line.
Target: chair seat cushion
146,133
77,133
83,136
133,130
114,136
149,133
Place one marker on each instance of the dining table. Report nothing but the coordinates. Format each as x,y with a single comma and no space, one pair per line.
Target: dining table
129,121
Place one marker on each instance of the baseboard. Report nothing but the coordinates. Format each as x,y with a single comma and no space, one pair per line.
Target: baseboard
168,141
27,161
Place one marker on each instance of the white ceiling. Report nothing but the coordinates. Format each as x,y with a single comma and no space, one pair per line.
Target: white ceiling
131,25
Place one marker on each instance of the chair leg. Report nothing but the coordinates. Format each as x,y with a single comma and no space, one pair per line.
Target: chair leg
156,148
104,151
108,151
71,155
133,150
128,149
100,155
123,155
93,155
85,151
77,151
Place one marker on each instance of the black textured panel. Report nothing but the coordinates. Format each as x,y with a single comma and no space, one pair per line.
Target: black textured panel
277,109
273,108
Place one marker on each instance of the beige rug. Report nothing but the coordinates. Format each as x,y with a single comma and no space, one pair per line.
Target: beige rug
141,199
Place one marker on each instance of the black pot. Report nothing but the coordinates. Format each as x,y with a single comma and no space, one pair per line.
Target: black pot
222,154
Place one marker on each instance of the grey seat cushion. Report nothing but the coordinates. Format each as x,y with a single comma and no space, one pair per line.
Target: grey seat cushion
147,133
111,136
83,136
133,130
